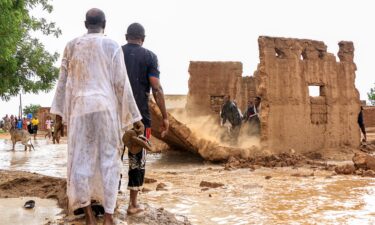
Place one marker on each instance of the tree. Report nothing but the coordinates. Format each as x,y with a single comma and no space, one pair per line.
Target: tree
33,109
25,65
371,95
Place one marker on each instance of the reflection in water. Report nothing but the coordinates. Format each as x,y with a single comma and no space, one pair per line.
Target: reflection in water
47,159
246,198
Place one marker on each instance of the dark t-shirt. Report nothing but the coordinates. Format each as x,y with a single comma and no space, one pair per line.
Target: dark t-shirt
230,112
140,65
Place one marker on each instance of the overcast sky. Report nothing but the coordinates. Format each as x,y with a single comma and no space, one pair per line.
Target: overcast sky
188,30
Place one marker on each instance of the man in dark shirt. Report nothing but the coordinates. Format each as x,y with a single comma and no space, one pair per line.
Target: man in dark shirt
142,67
230,112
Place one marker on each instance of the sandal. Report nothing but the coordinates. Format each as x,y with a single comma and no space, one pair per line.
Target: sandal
29,204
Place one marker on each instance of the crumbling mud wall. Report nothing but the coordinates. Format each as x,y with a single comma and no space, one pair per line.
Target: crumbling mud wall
210,81
246,92
369,116
180,137
290,117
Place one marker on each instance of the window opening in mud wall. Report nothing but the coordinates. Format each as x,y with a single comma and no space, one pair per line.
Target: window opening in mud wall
314,91
216,102
318,104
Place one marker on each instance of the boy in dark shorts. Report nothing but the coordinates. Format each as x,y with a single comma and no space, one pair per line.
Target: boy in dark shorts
142,67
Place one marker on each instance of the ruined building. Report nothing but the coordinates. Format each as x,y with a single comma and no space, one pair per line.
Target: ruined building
290,117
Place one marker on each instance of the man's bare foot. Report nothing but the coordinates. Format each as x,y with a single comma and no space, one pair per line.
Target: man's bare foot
134,210
89,215
108,219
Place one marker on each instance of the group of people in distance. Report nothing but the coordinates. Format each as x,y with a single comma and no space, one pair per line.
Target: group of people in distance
103,90
231,113
31,125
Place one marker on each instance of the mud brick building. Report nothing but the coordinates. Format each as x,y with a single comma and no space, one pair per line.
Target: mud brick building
210,81
291,116
369,116
42,115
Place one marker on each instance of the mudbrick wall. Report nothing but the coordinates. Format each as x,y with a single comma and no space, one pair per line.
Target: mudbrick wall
290,117
210,81
369,116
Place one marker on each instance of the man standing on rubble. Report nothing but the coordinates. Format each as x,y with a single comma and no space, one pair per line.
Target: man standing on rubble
143,71
94,97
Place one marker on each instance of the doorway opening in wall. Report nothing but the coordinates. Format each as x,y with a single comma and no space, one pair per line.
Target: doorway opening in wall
315,90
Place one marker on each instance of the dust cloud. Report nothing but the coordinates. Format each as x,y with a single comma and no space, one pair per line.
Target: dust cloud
209,128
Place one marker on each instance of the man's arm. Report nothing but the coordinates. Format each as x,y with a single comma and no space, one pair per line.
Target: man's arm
59,100
157,92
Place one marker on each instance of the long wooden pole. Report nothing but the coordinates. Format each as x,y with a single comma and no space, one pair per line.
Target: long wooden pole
20,111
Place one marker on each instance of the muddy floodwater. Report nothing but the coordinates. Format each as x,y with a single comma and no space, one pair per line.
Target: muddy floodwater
287,196
12,211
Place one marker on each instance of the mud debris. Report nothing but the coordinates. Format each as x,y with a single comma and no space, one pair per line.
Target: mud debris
149,180
302,175
145,190
157,216
279,160
345,169
210,184
368,147
363,165
161,187
364,161
368,173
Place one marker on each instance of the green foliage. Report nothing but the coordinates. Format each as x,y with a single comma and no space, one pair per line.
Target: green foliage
371,95
31,109
24,63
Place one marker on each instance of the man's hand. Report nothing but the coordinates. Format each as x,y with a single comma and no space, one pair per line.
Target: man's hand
139,128
164,127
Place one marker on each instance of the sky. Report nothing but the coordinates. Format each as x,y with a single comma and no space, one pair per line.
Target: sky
216,30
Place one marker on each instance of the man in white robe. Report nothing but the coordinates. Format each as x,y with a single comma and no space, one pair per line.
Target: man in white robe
94,98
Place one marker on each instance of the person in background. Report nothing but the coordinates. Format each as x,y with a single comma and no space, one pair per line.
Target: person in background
48,127
29,126
35,123
24,123
251,115
19,123
57,130
361,124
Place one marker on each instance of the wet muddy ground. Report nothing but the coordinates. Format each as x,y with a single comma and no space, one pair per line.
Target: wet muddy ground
12,211
263,196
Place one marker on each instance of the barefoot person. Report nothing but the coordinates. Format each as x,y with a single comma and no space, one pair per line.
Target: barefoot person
93,86
142,67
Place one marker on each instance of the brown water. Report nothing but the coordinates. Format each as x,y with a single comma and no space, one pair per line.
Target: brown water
246,198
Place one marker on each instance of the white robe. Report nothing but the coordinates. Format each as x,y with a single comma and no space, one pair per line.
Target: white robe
95,99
